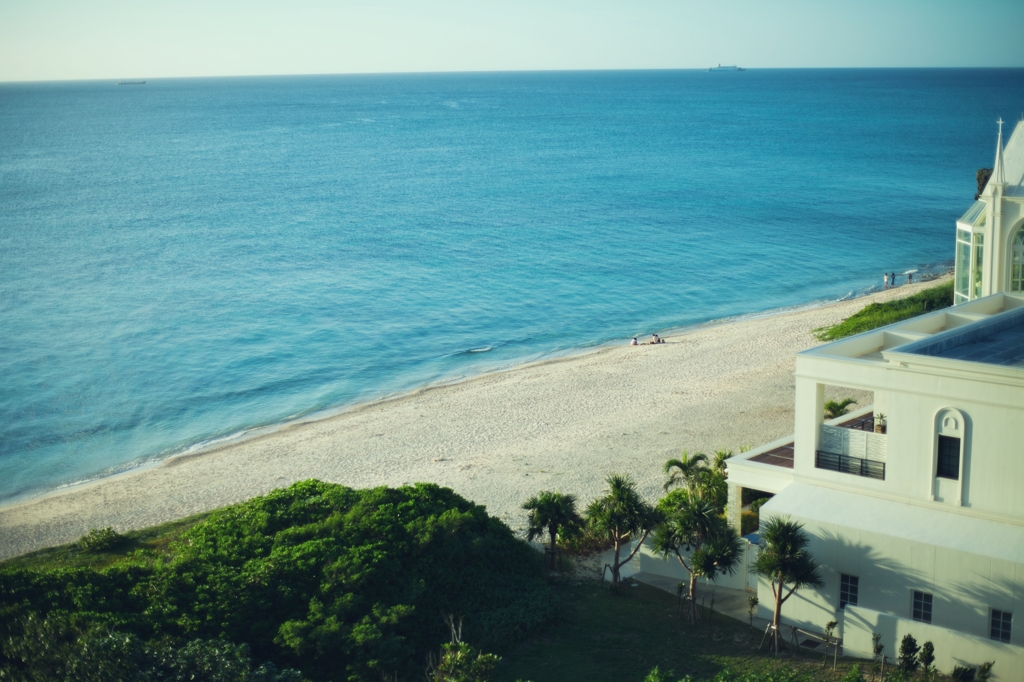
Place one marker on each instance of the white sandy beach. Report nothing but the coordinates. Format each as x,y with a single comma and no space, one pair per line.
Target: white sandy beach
496,439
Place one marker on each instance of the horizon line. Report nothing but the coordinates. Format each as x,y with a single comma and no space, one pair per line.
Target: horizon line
507,71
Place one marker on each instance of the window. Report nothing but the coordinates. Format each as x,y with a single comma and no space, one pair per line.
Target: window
1017,262
970,255
963,266
848,587
1000,627
949,458
979,259
922,607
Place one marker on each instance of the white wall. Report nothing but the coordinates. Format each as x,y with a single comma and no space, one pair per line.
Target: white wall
993,468
965,587
647,561
993,407
952,648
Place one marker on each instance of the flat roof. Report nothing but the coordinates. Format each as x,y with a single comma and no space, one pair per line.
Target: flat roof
781,456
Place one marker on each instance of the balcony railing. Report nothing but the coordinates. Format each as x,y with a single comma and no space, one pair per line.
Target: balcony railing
868,468
854,442
865,423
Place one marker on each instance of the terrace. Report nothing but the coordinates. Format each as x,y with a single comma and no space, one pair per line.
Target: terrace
780,454
850,445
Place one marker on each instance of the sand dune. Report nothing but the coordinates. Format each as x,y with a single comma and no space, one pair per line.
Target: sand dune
496,439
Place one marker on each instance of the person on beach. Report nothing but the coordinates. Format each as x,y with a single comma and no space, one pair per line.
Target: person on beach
634,342
892,280
885,280
910,278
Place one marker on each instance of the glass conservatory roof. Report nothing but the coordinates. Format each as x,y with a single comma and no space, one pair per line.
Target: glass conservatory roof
997,341
975,215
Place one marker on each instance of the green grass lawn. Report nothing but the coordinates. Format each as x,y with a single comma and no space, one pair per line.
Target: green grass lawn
621,637
876,315
145,544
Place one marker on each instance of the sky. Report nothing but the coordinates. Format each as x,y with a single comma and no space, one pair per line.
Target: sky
98,39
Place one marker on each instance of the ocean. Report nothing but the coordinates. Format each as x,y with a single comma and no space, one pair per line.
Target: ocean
188,259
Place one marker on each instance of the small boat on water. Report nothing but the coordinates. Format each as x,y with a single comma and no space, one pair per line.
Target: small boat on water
726,68
131,82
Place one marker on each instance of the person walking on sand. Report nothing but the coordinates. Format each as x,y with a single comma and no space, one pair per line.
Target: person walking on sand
885,280
892,280
910,278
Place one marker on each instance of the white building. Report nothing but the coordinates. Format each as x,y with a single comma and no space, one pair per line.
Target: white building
990,235
915,503
918,524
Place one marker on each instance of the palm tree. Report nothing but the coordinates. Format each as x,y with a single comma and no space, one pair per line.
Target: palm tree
693,525
834,409
721,456
784,560
688,471
622,515
551,512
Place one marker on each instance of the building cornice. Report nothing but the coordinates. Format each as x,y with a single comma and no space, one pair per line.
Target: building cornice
748,479
920,365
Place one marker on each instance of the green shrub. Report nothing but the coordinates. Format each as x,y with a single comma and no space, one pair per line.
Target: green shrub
854,675
963,673
346,584
750,496
725,676
63,647
587,541
755,506
100,540
908,654
750,521
459,662
876,315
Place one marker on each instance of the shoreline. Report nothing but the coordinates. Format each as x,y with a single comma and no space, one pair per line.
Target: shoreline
40,520
551,356
211,446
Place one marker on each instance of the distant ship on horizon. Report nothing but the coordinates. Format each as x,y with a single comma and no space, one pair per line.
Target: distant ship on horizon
726,68
131,82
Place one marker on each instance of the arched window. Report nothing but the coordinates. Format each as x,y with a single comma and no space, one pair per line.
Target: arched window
948,456
1017,261
950,434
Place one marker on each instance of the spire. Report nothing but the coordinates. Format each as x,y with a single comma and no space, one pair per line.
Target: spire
997,170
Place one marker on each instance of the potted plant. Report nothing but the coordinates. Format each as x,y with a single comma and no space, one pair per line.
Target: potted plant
879,423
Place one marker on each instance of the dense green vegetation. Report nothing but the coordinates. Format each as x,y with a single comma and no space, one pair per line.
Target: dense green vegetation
376,584
876,315
344,584
66,647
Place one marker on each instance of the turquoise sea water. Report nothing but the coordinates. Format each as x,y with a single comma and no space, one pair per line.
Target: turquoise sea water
187,259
